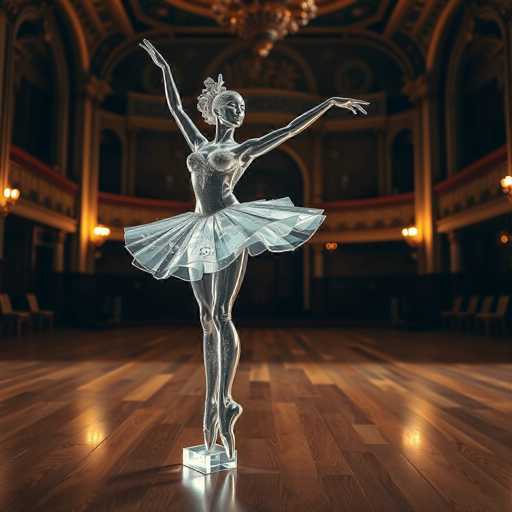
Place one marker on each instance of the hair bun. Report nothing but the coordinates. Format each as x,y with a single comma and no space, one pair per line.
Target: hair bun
205,99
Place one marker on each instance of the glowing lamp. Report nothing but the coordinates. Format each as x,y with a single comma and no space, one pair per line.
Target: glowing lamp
99,234
331,246
11,195
504,238
506,186
411,235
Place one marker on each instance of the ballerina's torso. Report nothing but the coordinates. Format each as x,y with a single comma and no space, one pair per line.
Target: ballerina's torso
212,175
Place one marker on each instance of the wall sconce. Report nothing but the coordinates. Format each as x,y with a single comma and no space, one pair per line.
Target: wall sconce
504,238
411,236
331,246
506,186
11,195
99,234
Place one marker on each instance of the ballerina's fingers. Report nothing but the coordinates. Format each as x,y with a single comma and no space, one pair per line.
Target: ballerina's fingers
148,49
153,55
149,44
360,108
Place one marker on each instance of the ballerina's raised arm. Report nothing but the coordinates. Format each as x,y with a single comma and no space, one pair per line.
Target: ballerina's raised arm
190,131
253,148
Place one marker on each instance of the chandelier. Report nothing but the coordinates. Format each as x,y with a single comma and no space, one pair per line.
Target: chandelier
263,21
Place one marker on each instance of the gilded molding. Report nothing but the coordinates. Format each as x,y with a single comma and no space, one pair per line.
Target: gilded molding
14,8
501,7
96,89
419,88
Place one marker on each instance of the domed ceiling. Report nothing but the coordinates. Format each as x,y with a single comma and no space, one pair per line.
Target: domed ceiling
408,24
349,12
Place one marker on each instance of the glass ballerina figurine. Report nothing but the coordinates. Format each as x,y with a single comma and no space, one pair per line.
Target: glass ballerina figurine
210,246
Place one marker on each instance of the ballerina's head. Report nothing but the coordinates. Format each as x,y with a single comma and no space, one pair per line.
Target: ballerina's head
217,104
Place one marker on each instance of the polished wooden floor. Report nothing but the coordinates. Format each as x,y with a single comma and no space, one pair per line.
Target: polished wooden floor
334,420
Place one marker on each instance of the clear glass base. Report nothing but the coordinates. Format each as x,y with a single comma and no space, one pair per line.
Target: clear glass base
198,458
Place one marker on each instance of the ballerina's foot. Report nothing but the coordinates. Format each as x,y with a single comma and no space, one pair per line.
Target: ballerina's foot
210,436
228,419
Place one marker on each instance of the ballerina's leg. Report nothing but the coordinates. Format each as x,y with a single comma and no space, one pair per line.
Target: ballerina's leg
227,283
204,294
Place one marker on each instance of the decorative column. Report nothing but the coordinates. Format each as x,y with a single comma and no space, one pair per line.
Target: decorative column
318,288
131,157
58,251
451,92
318,176
506,14
425,163
500,11
306,271
93,93
318,260
6,87
455,252
385,185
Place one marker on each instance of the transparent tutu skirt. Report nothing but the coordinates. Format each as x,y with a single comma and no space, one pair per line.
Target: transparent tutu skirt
190,244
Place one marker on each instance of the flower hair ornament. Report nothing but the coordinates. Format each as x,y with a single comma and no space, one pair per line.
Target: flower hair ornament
205,99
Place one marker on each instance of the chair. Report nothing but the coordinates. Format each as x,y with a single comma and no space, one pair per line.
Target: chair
20,318
456,308
485,308
41,315
497,317
462,317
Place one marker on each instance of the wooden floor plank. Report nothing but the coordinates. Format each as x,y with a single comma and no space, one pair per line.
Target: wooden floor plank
354,419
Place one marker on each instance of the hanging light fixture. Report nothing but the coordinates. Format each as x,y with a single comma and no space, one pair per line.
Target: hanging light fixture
263,21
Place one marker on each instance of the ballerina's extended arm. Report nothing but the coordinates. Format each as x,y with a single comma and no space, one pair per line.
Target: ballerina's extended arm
253,148
190,131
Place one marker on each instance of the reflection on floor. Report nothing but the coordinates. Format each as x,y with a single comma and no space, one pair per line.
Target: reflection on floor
352,419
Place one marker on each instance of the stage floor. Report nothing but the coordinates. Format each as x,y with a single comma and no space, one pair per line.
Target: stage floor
334,420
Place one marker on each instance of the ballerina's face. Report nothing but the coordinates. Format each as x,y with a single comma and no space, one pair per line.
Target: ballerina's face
230,109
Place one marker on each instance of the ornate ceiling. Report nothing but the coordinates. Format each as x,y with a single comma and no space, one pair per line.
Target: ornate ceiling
409,22
351,11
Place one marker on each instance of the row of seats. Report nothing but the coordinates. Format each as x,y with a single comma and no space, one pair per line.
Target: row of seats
17,320
478,313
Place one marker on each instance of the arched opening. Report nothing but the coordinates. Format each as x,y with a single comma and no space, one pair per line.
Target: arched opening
402,163
480,104
111,162
160,169
274,281
35,106
351,165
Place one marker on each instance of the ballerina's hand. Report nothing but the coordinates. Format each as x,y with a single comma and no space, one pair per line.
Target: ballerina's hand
154,54
353,105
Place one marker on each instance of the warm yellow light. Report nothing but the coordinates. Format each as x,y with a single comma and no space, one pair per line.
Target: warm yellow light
411,231
101,231
412,438
94,437
504,238
506,182
331,246
11,195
